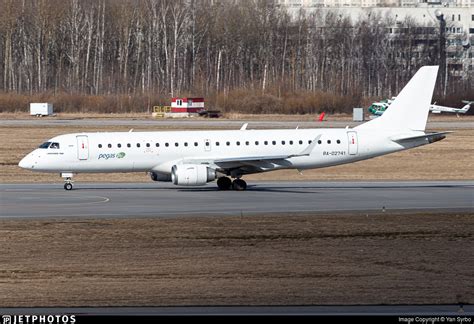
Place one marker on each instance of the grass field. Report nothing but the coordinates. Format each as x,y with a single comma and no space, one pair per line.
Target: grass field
252,260
449,159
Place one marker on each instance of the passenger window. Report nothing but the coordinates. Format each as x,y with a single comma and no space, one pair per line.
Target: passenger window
319,142
138,144
196,144
176,144
129,145
338,142
217,143
45,145
256,142
282,142
309,142
329,141
227,143
157,144
100,145
266,142
247,143
185,143
167,144
109,145
207,143
238,143
274,142
119,145
301,142
291,142
147,144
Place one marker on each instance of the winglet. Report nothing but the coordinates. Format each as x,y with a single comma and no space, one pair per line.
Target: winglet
307,151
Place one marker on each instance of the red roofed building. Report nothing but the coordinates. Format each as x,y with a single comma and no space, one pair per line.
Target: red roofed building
187,105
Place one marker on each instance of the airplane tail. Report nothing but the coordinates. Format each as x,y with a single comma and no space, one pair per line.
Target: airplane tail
409,110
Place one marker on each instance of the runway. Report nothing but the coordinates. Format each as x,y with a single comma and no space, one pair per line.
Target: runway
129,200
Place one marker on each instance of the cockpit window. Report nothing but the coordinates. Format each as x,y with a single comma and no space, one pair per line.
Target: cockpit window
53,145
45,145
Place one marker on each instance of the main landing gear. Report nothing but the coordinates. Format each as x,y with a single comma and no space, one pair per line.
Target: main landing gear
224,183
67,180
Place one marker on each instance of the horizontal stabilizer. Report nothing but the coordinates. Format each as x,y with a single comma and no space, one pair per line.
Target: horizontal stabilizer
431,137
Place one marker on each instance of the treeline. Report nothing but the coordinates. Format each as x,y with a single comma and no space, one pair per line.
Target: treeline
247,56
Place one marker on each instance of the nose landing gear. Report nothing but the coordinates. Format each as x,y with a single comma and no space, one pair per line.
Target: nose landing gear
68,186
68,180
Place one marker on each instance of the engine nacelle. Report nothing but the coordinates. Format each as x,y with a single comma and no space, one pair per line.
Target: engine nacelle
158,176
192,174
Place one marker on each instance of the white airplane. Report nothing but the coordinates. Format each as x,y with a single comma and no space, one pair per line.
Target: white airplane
435,109
378,108
193,158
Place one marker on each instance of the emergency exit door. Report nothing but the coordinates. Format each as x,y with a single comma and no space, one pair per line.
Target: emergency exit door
82,147
353,142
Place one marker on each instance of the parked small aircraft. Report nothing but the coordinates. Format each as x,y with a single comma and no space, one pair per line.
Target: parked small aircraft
378,108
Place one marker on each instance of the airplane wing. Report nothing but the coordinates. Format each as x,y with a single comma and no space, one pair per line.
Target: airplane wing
307,151
255,161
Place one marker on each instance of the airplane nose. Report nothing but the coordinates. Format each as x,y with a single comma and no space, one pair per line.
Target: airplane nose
26,162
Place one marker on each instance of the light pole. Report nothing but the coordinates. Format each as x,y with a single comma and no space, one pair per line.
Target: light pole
442,48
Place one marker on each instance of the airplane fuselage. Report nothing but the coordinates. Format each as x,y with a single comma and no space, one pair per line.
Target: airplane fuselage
159,151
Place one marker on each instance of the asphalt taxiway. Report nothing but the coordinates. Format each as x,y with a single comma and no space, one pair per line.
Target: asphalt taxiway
128,200
189,123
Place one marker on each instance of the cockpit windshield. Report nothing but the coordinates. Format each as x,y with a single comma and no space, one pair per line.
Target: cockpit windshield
52,145
44,145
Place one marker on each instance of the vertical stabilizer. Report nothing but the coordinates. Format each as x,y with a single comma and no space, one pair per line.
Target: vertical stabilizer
409,111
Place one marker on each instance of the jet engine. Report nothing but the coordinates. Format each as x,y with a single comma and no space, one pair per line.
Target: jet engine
192,174
158,176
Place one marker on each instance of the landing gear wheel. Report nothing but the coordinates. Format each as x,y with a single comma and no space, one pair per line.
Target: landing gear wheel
224,183
239,185
68,186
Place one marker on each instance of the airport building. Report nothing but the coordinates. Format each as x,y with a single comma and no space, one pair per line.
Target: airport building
455,17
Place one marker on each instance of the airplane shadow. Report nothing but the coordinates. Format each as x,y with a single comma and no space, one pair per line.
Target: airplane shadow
260,188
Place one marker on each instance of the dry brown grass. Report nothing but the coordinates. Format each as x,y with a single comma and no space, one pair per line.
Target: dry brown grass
449,159
251,260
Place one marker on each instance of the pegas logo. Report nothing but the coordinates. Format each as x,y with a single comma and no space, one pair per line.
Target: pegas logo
107,156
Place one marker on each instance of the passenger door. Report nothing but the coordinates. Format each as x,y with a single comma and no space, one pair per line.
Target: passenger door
82,147
353,142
